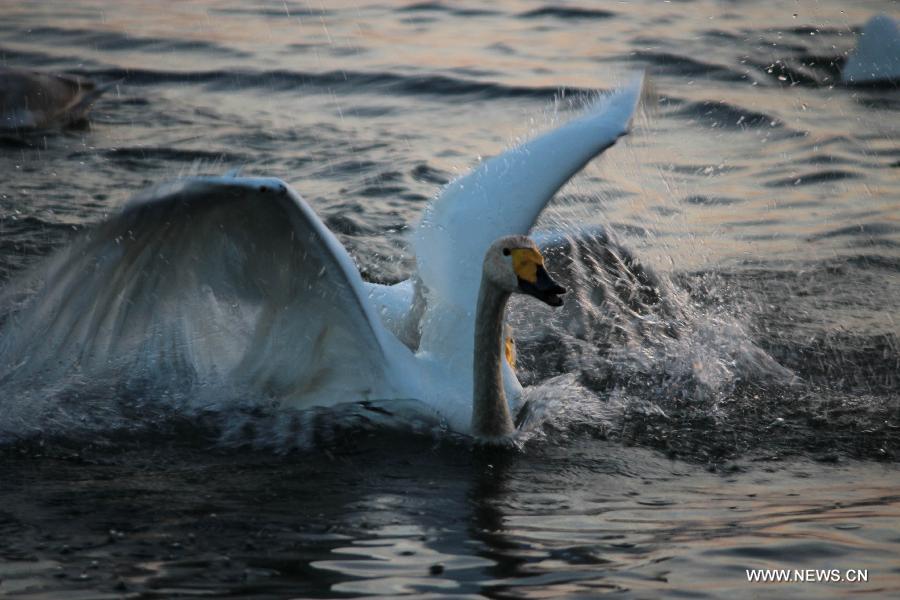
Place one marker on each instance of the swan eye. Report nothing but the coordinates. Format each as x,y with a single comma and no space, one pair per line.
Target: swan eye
506,252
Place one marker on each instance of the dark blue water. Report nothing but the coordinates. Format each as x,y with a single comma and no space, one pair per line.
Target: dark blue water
743,413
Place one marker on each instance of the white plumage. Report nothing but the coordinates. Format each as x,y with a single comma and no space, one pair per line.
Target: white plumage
229,279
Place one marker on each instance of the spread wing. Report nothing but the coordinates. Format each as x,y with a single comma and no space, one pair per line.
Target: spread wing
211,280
505,195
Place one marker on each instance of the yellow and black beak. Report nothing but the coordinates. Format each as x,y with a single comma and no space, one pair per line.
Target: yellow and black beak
534,279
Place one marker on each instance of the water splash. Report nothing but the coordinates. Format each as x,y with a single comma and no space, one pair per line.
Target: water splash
632,341
628,342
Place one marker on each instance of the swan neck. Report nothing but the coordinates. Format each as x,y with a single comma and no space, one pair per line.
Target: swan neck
490,412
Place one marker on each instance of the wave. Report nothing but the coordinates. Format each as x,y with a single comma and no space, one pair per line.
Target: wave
827,159
813,178
28,237
112,41
31,235
349,81
29,57
844,360
143,153
727,116
674,64
568,13
429,174
804,70
438,7
284,11
859,230
702,200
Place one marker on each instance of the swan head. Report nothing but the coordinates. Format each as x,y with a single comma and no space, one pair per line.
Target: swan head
515,265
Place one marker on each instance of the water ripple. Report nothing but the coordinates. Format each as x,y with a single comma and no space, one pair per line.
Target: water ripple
352,81
674,64
727,116
115,41
567,12
813,178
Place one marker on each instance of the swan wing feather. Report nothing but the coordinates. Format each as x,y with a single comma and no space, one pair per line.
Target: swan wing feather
505,194
208,277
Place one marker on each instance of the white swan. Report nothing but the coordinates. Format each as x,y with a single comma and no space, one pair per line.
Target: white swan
876,57
434,311
34,100
236,279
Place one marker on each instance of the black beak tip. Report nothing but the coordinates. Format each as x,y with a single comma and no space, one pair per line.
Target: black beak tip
554,301
552,296
544,289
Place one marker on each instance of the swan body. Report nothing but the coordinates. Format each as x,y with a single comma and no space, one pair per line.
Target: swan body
877,54
34,100
236,279
434,311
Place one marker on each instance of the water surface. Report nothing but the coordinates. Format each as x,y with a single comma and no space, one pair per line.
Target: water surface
746,414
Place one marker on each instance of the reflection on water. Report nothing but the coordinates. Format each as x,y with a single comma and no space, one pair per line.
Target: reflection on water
413,518
319,95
